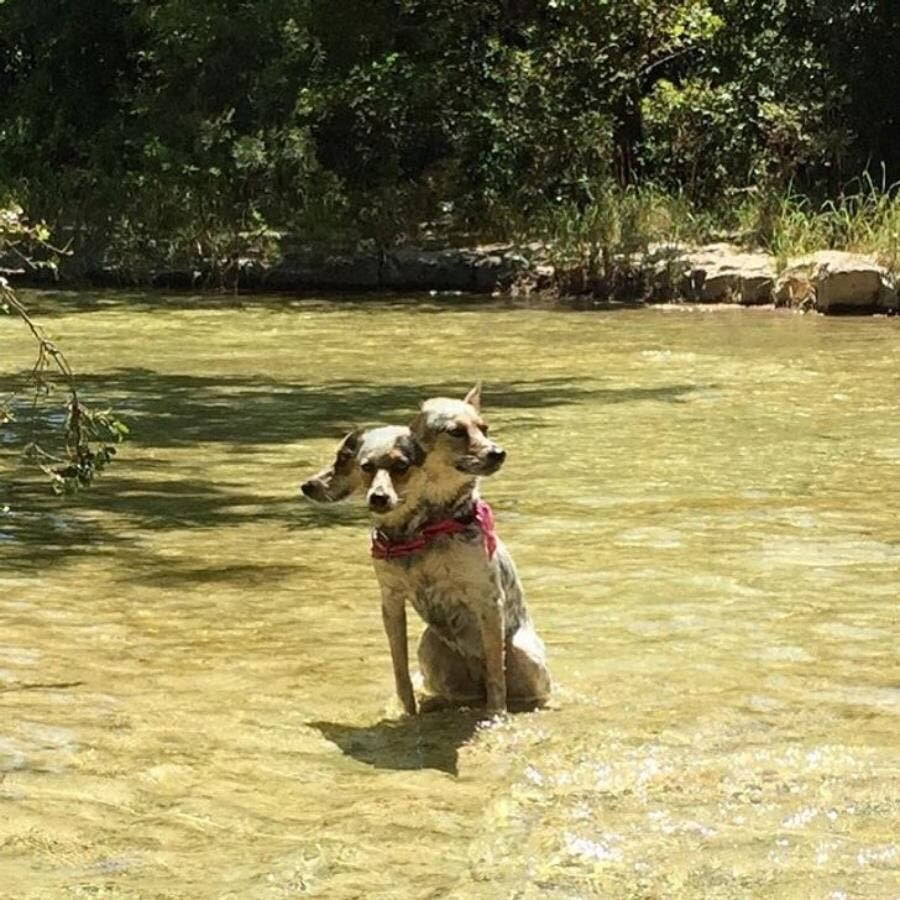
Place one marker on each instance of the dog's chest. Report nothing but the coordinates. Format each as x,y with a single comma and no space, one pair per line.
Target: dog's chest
448,586
453,620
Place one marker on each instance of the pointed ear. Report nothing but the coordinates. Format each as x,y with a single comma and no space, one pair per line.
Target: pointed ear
419,429
417,426
473,398
350,444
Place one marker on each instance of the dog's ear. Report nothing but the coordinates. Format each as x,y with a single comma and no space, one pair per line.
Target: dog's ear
349,445
418,452
473,398
415,451
420,433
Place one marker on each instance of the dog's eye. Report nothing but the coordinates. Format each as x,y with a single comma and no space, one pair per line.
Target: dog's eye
401,466
368,467
458,431
484,429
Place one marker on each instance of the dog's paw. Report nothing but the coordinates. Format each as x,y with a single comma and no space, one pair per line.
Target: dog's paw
434,704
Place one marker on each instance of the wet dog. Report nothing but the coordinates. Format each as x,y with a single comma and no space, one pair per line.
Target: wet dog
434,545
385,464
480,642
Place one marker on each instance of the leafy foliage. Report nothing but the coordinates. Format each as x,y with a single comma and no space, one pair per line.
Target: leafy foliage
88,437
178,131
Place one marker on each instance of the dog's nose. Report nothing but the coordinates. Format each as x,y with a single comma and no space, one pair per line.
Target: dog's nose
496,455
308,488
378,501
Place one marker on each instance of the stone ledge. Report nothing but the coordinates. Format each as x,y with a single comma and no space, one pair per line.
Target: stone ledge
828,281
832,281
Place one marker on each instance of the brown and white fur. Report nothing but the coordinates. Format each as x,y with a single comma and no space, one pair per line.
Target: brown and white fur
385,464
479,643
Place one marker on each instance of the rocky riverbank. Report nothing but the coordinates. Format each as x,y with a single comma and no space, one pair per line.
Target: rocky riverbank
828,281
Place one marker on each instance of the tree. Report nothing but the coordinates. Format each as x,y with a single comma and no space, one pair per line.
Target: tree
88,436
160,132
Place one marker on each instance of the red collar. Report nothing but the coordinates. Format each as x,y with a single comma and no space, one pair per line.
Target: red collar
482,516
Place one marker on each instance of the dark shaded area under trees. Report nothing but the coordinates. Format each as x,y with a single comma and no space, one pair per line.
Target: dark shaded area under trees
161,131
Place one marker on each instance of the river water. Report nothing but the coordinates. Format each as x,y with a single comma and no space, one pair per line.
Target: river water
704,505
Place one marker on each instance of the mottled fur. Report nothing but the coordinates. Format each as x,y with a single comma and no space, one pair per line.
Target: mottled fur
480,643
385,464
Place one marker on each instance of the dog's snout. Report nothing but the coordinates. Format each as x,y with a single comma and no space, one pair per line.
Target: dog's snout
310,489
379,500
496,455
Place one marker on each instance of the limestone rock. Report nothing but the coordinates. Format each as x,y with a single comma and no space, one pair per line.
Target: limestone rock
832,281
481,270
712,273
724,273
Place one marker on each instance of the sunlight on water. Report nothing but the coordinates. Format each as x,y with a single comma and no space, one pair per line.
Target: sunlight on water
196,692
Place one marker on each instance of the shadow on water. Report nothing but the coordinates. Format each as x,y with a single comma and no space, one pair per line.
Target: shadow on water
242,413
250,576
174,410
38,529
429,741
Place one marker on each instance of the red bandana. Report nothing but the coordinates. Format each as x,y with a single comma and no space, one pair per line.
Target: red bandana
483,517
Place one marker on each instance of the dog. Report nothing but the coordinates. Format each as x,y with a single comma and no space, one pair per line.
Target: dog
385,464
434,545
480,641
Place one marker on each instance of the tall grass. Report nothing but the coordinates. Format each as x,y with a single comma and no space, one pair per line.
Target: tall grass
613,225
614,228
865,220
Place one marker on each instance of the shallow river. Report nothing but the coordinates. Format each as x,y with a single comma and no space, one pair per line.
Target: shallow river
195,691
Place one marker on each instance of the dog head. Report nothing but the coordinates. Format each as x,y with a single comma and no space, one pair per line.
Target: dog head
383,463
454,436
341,478
390,461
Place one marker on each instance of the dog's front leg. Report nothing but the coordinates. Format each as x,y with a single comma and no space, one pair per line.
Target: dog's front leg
493,638
393,613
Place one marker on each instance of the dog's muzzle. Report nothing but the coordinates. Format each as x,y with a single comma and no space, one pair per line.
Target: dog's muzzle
315,490
379,502
485,464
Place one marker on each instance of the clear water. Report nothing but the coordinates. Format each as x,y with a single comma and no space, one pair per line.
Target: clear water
704,505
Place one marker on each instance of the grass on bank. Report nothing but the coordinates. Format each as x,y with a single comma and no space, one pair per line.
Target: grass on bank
603,240
867,221
621,223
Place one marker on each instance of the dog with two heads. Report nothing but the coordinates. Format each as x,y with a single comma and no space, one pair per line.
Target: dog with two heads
434,546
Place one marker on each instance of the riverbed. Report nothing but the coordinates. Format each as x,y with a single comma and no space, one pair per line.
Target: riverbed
196,696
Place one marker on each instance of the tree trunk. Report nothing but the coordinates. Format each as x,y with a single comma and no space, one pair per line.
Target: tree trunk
628,134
